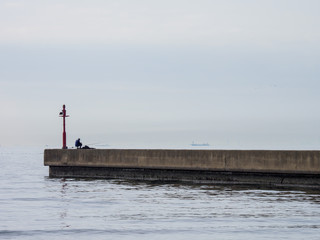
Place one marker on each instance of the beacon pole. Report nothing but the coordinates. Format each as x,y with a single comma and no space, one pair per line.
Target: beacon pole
63,114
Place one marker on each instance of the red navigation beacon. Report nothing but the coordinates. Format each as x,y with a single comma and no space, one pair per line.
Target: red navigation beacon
63,114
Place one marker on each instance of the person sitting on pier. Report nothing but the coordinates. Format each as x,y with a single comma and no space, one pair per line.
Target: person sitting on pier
78,143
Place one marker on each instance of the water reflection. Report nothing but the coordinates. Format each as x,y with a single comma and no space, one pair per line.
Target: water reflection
64,204
34,207
149,206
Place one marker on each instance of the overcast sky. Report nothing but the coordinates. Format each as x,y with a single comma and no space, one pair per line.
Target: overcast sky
161,74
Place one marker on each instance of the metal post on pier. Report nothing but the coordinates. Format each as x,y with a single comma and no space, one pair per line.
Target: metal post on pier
63,114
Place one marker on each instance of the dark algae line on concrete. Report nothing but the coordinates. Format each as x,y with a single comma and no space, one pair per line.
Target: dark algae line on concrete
258,167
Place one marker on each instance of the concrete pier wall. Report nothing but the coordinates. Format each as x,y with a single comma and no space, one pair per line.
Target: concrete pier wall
272,168
300,162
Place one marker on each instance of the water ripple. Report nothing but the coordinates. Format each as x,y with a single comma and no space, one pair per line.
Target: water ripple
34,206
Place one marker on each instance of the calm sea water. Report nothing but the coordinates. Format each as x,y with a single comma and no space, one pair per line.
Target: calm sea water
33,206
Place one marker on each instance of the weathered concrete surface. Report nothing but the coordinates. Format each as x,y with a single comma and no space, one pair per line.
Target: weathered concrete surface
193,176
249,161
263,168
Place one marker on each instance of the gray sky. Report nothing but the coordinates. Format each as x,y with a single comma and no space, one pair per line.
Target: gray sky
161,74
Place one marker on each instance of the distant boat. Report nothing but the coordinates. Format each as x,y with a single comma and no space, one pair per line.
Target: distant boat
199,144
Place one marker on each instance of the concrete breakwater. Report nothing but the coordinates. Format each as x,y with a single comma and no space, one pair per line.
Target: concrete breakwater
262,167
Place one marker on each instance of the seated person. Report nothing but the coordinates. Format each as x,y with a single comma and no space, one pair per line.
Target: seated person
78,143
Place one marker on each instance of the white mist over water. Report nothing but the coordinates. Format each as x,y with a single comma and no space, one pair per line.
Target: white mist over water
34,206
